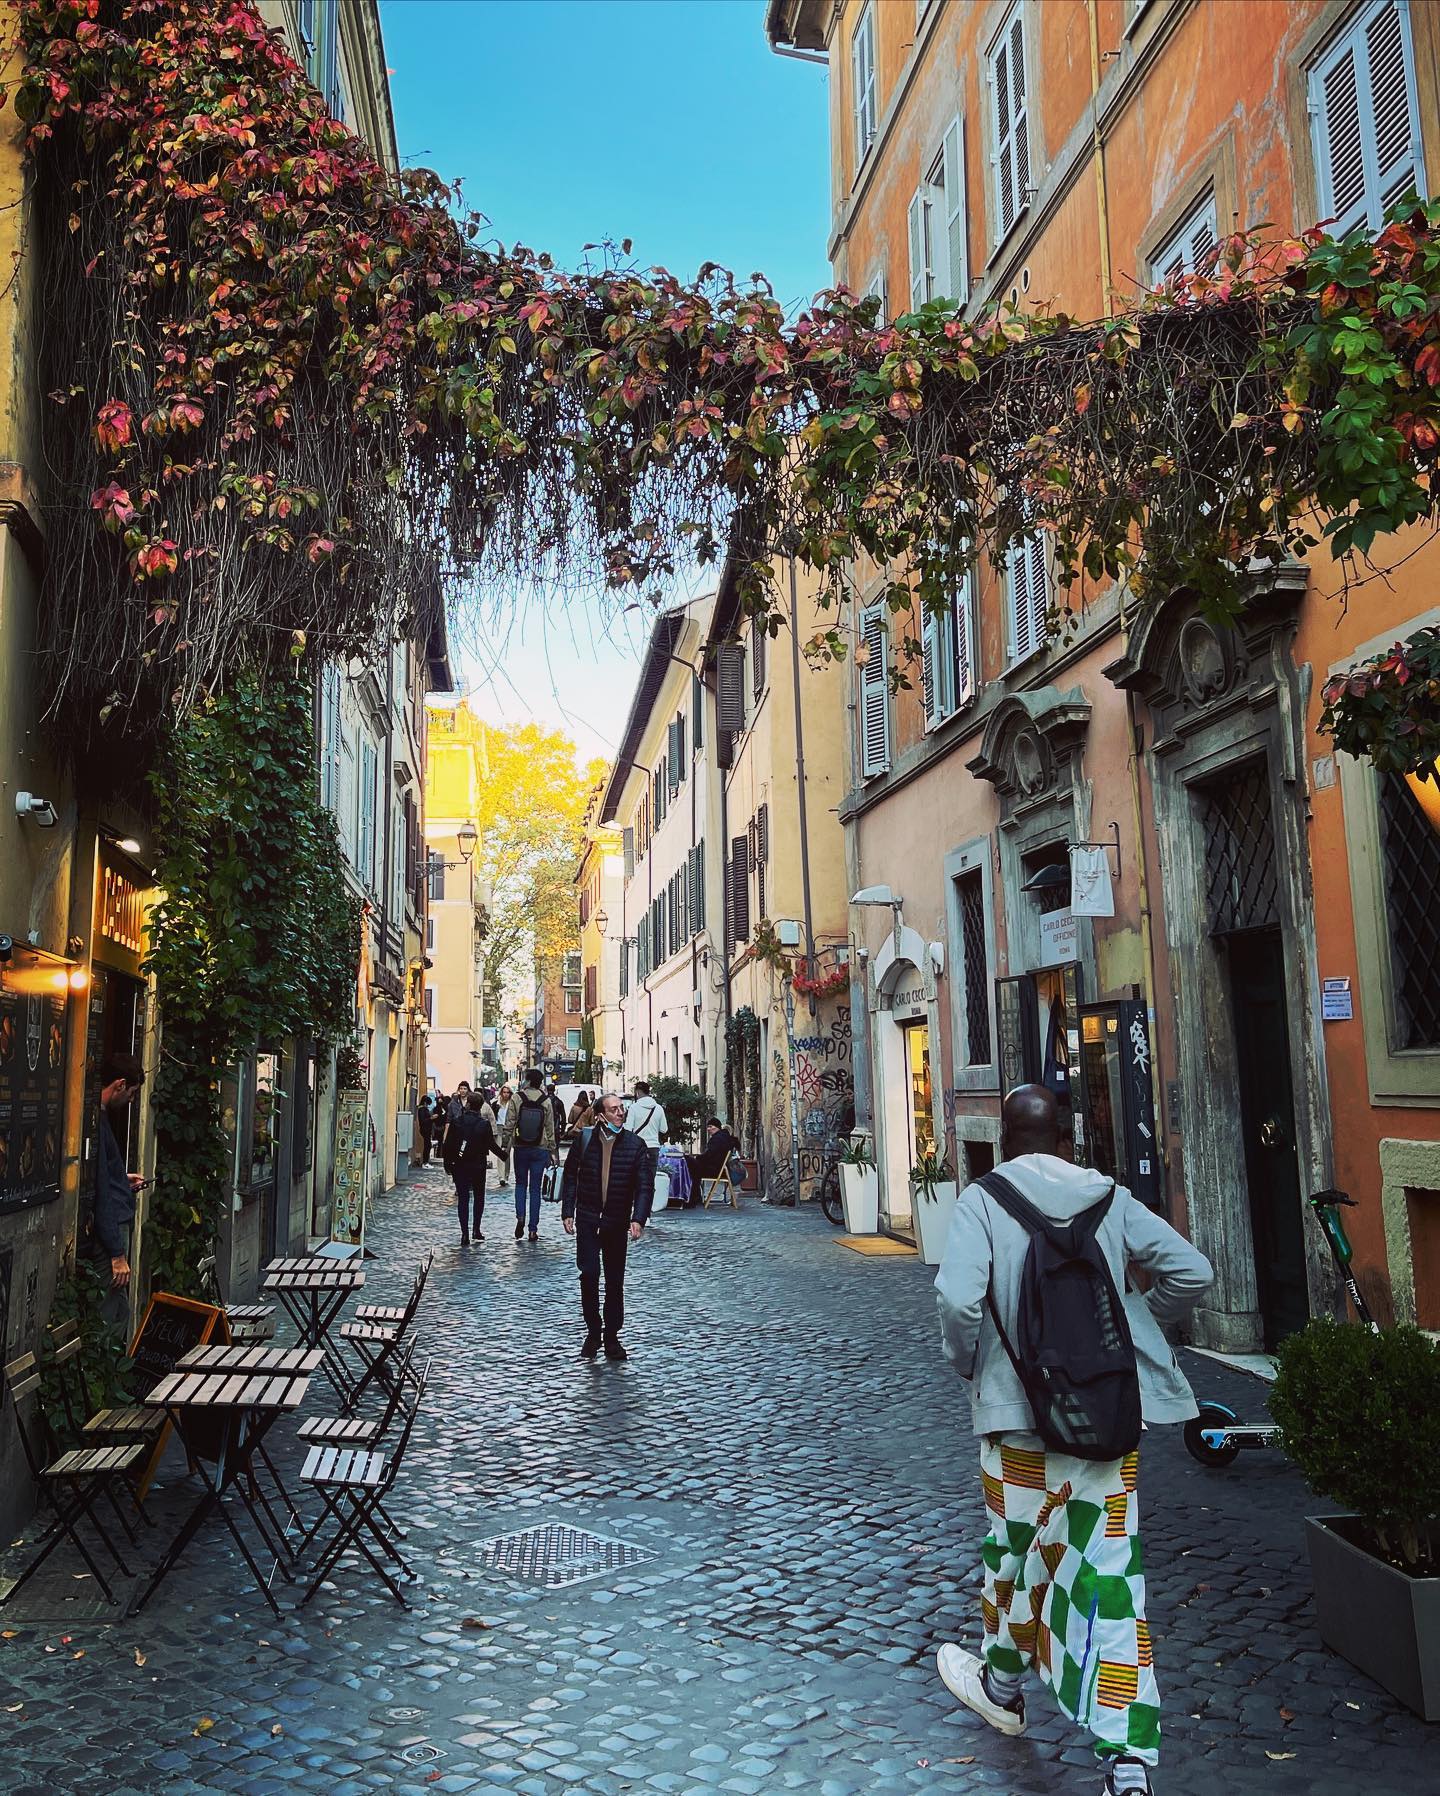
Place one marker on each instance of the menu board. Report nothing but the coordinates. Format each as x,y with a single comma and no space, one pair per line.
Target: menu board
352,1134
34,1002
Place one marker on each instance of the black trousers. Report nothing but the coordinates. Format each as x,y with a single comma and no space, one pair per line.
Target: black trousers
601,1246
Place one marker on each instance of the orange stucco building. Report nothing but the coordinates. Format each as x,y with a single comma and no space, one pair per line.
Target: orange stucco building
1260,1016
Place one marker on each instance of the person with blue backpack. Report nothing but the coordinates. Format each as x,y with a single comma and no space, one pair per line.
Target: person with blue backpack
1064,1364
530,1136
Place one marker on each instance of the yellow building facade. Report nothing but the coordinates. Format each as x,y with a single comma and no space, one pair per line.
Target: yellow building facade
600,894
456,767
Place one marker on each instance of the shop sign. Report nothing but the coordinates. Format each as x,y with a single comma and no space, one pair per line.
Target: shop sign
1059,938
907,998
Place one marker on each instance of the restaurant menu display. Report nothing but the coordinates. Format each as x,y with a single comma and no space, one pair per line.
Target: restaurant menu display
34,993
352,1134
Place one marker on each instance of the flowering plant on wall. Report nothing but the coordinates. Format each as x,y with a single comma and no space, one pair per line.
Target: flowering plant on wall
821,984
1388,708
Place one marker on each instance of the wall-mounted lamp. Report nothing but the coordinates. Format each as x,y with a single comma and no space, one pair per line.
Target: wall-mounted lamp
602,921
127,844
39,810
465,838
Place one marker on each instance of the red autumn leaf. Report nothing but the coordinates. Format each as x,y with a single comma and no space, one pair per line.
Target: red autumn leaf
113,503
113,424
318,549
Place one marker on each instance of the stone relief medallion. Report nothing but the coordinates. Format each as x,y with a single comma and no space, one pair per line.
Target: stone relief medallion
1031,771
1204,667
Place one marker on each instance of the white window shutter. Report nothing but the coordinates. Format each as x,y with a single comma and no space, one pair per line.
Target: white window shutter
876,290
930,668
1016,578
917,250
1392,102
874,697
1020,112
1039,595
1004,144
1342,151
965,680
956,284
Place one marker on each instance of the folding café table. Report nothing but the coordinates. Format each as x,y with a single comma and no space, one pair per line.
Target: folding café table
223,1401
313,1292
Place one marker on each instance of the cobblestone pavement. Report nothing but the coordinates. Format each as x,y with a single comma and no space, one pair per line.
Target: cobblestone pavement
787,1450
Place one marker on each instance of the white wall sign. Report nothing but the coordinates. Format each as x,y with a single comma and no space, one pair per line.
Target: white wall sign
1336,1002
1059,938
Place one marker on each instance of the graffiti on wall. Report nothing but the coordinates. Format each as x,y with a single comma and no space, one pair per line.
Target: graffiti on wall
824,1089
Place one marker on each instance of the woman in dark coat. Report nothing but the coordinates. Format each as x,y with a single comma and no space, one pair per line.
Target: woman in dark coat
471,1141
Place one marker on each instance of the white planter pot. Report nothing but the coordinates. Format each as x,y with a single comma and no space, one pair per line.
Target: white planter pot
860,1195
933,1216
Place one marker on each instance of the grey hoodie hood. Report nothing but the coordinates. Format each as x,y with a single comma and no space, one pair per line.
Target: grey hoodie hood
1054,1186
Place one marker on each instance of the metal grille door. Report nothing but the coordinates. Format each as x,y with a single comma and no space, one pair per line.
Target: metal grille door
1411,844
1241,886
977,974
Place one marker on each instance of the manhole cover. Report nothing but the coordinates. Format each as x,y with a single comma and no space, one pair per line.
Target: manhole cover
421,1755
59,1599
401,1714
555,1555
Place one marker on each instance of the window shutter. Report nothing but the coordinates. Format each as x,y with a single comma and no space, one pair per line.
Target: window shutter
1019,112
876,290
759,641
762,834
917,250
1018,582
697,712
1012,124
928,655
740,890
1039,595
874,697
682,760
966,682
730,688
628,845
1366,127
956,284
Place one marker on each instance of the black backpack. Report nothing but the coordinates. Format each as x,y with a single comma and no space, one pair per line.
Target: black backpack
1072,1350
530,1122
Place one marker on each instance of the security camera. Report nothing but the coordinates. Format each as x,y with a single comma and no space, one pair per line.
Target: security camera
7,948
38,810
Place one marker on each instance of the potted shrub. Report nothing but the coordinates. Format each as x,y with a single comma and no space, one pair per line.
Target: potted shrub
860,1186
1360,1415
933,1191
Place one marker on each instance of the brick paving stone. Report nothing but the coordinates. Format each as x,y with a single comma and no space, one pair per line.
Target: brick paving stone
789,1446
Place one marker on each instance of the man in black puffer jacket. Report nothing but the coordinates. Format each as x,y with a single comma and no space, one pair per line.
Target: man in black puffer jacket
606,1192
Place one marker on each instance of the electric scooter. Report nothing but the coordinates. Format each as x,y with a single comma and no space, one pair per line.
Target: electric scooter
1217,1434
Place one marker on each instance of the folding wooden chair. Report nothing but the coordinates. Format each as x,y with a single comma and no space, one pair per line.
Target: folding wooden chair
391,1313
72,1483
360,1431
723,1187
377,1345
353,1483
250,1323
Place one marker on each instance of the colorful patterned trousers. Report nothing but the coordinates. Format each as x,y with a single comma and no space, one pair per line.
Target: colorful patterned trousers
1065,1587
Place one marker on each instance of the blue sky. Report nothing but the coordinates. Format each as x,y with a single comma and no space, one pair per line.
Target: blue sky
569,121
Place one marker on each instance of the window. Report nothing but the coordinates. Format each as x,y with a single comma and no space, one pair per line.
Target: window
1187,246
937,227
948,657
1410,845
1365,118
876,290
570,971
625,969
430,1005
874,695
627,840
429,935
862,83
572,1002
306,21
590,988
365,833
329,81
329,735
436,868
661,790
970,902
1027,593
1011,124
572,1041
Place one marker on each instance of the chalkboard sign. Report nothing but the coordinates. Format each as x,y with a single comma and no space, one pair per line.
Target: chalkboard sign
34,1018
170,1328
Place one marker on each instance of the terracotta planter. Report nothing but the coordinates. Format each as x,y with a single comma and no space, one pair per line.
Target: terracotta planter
1380,1619
752,1174
860,1196
933,1216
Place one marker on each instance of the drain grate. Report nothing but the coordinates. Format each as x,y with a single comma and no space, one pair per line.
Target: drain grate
555,1555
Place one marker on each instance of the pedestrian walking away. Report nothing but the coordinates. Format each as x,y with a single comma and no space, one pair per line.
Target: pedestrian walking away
646,1118
1062,1363
557,1104
115,1192
606,1192
425,1123
475,1143
530,1135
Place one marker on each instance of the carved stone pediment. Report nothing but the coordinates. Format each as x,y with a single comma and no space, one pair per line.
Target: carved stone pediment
1186,668
1032,743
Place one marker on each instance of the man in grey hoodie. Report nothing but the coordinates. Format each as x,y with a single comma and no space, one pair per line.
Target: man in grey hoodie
1064,1589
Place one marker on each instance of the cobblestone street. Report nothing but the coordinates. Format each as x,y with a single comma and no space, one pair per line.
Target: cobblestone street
788,1458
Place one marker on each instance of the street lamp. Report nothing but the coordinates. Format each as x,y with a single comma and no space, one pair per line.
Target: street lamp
602,922
466,837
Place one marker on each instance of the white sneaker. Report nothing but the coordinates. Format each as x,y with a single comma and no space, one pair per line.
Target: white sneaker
960,1672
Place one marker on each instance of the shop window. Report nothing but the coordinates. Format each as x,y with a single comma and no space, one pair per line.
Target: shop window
1410,846
1365,119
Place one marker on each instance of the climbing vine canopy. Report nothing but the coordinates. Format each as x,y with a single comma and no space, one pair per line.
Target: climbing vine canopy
293,393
